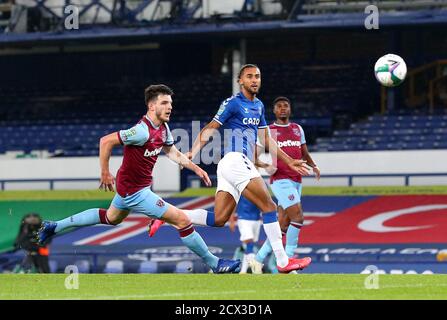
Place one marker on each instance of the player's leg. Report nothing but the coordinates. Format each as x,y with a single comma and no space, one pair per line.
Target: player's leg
295,216
256,192
283,220
248,254
246,231
229,174
223,208
152,205
266,248
291,202
116,213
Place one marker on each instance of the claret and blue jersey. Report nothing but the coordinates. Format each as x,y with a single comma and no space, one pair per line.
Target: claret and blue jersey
243,117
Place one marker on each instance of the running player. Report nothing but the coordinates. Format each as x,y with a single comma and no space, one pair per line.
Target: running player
286,183
249,225
142,145
243,115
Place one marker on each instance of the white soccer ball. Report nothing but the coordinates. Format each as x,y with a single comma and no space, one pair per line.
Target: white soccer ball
390,70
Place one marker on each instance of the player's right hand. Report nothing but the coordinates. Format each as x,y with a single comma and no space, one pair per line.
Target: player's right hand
300,166
189,155
107,181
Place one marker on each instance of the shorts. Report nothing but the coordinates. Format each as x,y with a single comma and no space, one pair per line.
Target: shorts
287,192
234,172
143,201
249,229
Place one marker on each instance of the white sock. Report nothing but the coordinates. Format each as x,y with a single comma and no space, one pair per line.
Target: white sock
273,232
197,216
244,265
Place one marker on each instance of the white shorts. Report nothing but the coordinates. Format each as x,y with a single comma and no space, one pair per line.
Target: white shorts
234,172
249,229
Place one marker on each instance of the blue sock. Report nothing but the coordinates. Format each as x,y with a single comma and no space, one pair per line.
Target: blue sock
265,250
85,218
249,247
210,221
269,217
293,232
195,243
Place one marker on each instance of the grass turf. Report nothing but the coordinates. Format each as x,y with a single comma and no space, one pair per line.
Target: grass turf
29,195
339,191
222,287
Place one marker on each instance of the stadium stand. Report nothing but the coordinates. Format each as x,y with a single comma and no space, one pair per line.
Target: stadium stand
390,132
114,266
83,266
184,267
148,267
53,266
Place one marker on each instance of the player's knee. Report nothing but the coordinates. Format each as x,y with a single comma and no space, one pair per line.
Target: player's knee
114,219
269,206
182,220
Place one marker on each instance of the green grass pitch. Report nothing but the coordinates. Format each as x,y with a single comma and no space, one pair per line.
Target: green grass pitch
222,287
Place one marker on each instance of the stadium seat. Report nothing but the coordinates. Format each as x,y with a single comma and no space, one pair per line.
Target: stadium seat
83,266
148,267
184,267
114,266
53,266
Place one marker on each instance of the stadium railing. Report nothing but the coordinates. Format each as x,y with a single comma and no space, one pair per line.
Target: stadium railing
194,182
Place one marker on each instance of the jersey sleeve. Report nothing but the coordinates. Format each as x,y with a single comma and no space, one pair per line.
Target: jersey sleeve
137,135
226,110
262,122
303,138
169,138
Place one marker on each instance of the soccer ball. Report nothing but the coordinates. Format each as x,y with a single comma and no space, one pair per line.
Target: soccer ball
390,70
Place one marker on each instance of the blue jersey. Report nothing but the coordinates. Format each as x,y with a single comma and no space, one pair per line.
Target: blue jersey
243,117
247,211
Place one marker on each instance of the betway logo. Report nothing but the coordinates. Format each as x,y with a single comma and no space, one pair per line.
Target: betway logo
152,153
289,143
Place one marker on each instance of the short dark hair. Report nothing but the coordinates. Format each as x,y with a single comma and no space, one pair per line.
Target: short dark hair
245,66
154,90
281,99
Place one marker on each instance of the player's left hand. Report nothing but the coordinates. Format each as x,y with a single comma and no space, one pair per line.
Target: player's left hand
317,172
300,166
204,176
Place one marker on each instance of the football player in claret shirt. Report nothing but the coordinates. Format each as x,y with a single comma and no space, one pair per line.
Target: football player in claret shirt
142,145
286,184
243,115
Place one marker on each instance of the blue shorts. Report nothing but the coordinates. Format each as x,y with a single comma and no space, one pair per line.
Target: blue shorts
143,201
287,192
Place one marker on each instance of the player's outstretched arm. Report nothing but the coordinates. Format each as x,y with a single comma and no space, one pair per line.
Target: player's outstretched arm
106,145
203,138
271,145
175,155
310,161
